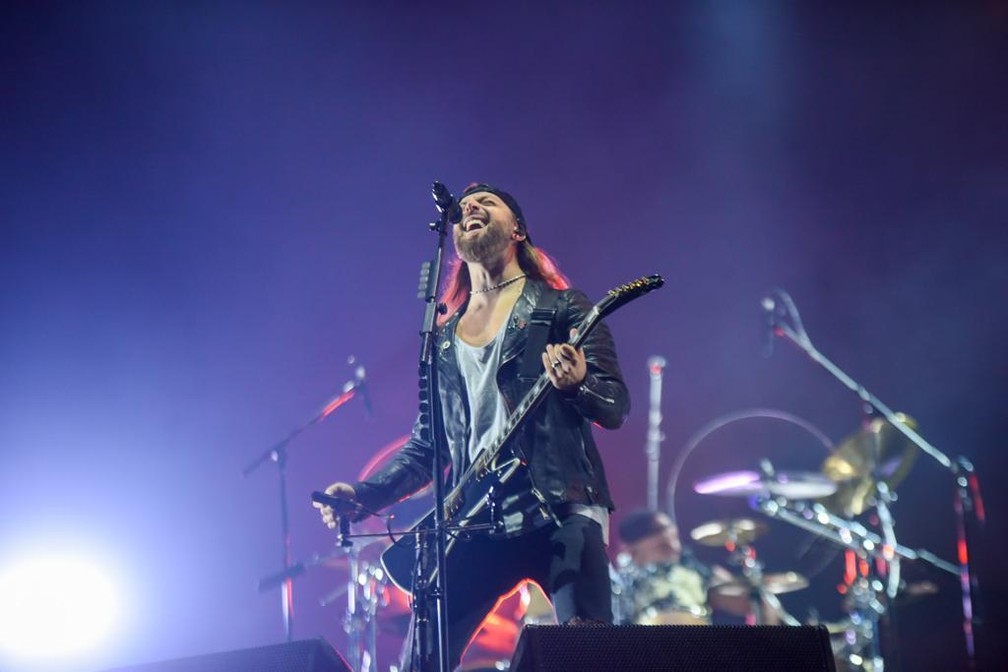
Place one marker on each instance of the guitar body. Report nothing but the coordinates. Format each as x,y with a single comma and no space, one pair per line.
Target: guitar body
468,505
399,559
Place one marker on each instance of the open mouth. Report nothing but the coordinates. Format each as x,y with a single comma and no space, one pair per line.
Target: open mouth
472,224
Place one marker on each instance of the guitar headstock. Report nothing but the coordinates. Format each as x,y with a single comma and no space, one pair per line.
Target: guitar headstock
624,294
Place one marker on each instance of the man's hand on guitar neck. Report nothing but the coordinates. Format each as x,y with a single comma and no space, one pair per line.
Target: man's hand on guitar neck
342,491
565,365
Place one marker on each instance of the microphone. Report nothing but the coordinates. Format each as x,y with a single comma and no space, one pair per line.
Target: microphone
769,306
359,387
446,203
340,506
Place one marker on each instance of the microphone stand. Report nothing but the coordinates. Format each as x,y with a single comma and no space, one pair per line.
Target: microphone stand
278,453
967,491
430,277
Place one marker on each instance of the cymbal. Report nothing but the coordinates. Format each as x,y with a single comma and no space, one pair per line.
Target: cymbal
732,530
790,484
878,453
782,582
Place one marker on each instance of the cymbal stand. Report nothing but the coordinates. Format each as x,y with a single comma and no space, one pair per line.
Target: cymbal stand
366,591
744,557
863,649
360,610
967,498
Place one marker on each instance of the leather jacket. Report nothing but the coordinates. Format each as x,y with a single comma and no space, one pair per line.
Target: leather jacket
563,461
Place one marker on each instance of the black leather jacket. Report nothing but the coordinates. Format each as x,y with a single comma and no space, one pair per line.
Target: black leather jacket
564,463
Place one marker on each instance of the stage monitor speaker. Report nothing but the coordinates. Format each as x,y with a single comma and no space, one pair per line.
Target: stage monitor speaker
308,655
673,648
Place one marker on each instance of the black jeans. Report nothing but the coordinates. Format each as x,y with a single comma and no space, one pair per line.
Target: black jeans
569,562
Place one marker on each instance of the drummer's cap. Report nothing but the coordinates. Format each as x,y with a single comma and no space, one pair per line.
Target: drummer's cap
642,523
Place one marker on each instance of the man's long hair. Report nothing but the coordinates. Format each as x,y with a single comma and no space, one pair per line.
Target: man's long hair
535,263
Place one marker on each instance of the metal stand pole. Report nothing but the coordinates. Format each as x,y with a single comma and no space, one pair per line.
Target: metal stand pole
656,365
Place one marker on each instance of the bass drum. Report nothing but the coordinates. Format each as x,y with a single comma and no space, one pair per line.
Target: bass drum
660,595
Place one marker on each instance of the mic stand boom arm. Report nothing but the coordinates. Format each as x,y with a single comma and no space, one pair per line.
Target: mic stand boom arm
278,453
967,491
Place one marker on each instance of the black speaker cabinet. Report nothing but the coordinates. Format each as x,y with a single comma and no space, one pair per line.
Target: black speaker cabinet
671,648
308,655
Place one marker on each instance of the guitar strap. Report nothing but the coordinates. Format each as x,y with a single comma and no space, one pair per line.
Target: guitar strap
539,327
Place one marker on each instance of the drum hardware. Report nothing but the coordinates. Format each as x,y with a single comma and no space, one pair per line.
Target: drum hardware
866,589
366,591
748,595
817,519
857,647
785,495
751,587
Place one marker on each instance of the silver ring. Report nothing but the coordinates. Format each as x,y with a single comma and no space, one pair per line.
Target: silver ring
556,363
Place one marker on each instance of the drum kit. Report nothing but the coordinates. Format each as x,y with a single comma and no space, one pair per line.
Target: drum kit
857,480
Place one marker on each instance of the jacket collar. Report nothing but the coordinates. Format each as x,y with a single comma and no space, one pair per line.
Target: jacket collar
521,313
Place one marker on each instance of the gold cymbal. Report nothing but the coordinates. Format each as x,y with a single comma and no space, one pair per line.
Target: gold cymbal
878,453
722,532
781,582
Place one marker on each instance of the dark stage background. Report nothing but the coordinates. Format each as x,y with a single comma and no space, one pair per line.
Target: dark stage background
207,207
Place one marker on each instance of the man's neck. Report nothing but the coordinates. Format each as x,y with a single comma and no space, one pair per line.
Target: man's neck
482,276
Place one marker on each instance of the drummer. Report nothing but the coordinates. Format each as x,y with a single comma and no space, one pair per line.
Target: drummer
661,583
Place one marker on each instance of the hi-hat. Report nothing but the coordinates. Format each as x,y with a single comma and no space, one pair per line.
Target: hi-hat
878,453
790,484
734,530
782,582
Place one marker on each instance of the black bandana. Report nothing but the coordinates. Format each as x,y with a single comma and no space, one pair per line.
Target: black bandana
508,199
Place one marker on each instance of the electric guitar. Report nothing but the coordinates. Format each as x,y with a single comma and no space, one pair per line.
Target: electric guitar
468,499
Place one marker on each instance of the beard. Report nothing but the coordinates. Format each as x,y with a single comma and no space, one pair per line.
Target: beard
484,247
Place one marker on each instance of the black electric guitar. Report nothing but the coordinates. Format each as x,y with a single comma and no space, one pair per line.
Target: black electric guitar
469,498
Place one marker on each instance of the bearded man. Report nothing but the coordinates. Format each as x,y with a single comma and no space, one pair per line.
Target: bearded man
553,514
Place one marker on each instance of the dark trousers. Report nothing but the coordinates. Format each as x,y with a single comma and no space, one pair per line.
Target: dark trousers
569,562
